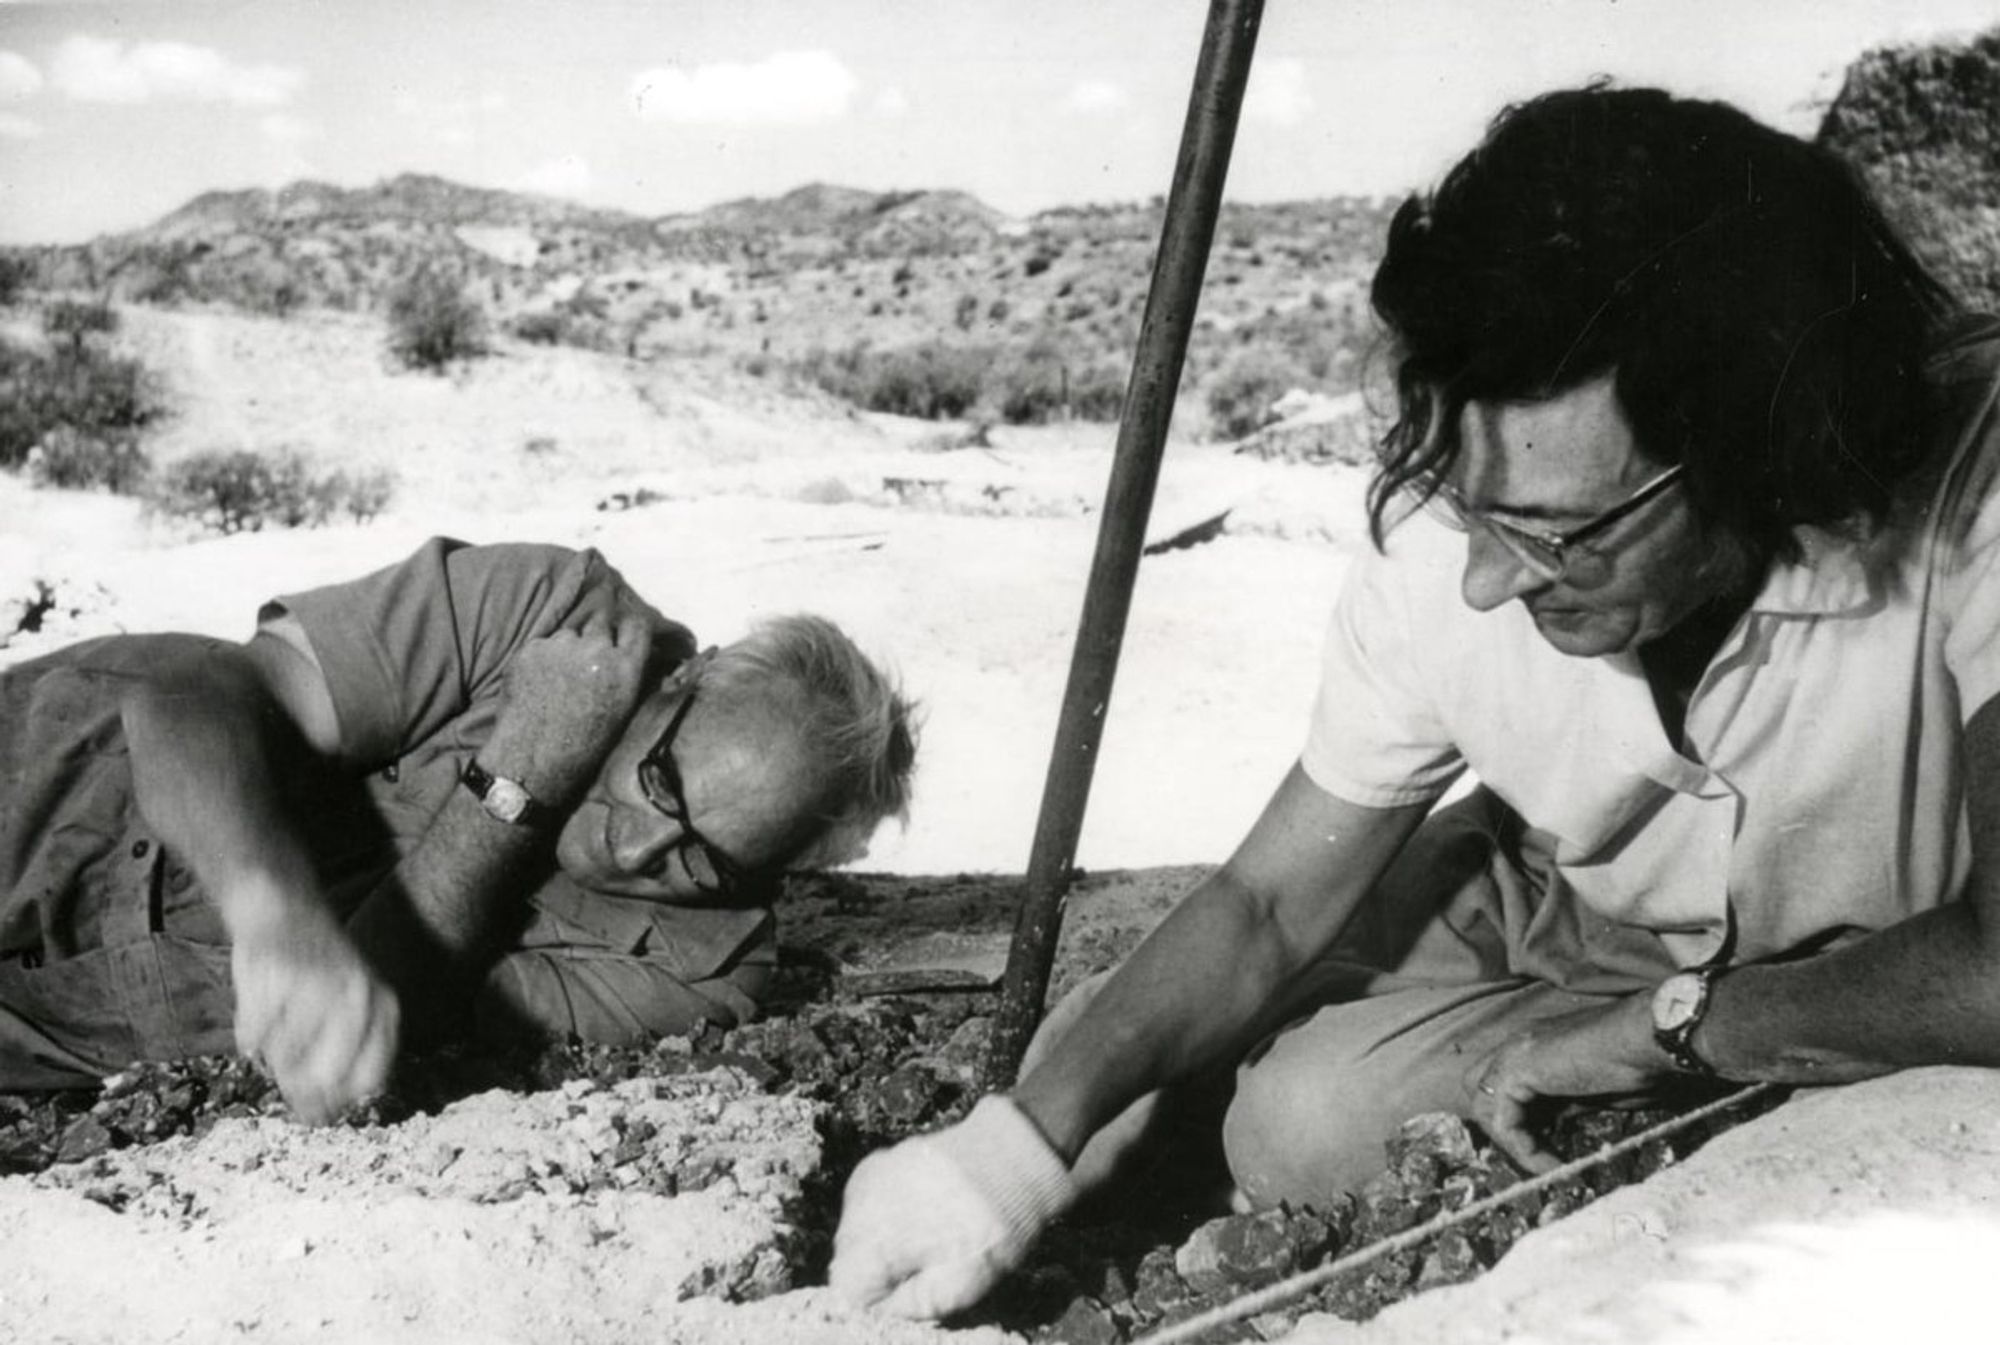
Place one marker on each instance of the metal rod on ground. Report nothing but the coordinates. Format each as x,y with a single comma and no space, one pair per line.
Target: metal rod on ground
1221,73
1259,1300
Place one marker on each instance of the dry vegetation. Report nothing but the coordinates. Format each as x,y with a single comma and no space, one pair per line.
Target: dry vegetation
926,304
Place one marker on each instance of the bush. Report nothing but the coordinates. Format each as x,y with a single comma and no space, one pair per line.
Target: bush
434,322
74,460
75,387
931,380
239,490
1240,396
545,328
16,273
1044,382
72,321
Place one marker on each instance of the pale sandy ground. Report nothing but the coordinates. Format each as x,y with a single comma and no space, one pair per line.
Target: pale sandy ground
1854,1215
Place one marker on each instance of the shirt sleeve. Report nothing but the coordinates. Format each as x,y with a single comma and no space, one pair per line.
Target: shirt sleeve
1971,544
406,649
1376,737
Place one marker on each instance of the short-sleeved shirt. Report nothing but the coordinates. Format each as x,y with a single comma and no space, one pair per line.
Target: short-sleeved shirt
414,656
1821,791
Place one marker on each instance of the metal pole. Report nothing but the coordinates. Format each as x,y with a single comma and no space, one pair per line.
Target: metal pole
1221,73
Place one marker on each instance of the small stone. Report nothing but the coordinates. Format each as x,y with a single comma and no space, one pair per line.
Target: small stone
1501,1229
970,1042
1239,1251
1387,1206
1561,1201
85,1138
909,1094
1158,1287
1271,1325
1086,1322
1438,1139
1452,1260
437,1157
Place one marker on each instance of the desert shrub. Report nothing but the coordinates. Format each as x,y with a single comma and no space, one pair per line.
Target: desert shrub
1240,395
241,490
73,321
76,460
545,328
363,495
16,274
74,386
434,322
930,380
1042,382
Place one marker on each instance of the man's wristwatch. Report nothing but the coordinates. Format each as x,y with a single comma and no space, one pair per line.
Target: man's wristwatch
504,800
1679,1005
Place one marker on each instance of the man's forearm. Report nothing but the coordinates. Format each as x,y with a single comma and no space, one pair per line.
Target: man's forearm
1194,995
1922,992
435,921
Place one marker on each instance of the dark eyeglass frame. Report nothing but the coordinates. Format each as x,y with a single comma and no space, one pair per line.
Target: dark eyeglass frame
1549,554
660,780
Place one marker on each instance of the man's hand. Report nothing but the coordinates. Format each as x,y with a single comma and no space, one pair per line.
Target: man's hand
309,1010
929,1226
1599,1052
566,699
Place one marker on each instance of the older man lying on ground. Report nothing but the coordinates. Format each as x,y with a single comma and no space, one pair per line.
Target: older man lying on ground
488,787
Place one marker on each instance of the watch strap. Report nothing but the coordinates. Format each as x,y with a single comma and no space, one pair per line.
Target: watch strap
504,800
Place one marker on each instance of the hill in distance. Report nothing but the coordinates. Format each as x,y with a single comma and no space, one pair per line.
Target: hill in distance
827,278
819,272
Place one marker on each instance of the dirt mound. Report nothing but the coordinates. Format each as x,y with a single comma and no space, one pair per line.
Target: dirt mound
605,1205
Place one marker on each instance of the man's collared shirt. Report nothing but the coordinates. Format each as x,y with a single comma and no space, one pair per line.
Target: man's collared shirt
1821,790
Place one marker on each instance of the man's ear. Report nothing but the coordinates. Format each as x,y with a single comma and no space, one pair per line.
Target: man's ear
687,672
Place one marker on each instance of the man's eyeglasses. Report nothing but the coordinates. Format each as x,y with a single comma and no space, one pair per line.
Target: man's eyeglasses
1551,555
712,871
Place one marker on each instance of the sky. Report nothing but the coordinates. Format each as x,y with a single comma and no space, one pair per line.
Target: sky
113,114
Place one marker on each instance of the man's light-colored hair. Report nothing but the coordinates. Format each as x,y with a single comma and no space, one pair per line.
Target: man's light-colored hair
856,723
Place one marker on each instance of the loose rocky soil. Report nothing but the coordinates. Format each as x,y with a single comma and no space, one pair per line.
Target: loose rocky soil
619,1194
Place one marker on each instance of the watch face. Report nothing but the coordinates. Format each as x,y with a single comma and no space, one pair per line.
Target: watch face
507,800
1676,1001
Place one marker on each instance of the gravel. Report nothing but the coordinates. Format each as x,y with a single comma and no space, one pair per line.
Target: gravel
1165,1249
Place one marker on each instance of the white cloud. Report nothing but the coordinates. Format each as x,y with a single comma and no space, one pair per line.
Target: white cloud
567,175
1278,94
14,126
19,79
1097,95
282,128
789,87
100,70
891,102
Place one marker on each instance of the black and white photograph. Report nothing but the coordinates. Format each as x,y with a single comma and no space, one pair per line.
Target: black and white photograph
882,673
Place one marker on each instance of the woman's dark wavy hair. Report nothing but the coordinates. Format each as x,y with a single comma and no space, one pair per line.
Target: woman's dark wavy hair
1765,323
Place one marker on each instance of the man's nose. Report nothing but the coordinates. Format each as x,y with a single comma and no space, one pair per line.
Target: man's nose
1494,574
641,838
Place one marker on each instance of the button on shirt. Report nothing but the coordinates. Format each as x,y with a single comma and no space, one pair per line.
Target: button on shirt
1821,792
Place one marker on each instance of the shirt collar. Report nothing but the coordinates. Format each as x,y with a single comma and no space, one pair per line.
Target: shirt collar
1835,575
